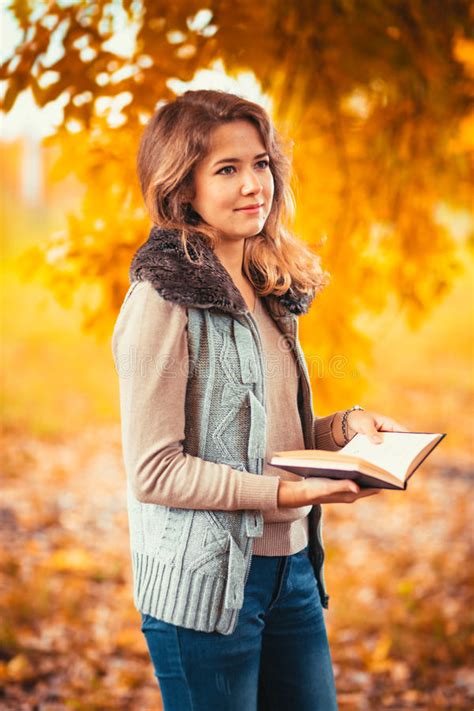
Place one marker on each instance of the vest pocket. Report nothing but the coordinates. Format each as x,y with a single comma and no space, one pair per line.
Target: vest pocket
212,563
213,560
216,525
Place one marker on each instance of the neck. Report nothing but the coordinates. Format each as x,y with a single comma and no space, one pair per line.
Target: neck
231,256
162,261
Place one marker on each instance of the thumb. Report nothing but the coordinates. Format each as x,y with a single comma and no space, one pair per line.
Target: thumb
346,485
374,435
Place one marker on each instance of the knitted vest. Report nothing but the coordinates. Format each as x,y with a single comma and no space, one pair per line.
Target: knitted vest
190,566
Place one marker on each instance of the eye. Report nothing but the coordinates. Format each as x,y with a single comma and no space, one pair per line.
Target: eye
226,168
263,163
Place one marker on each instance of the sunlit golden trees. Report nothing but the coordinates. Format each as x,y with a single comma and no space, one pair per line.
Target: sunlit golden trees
375,96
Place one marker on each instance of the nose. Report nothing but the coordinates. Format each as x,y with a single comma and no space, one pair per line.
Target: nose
251,184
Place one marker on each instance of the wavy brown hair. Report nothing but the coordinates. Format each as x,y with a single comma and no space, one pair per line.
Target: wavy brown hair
176,138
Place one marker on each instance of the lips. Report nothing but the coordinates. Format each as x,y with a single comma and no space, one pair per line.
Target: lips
250,207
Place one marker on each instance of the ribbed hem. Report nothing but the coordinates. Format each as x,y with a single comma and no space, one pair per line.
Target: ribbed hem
282,538
181,597
258,492
323,433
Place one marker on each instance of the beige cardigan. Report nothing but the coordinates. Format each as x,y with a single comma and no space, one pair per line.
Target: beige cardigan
152,331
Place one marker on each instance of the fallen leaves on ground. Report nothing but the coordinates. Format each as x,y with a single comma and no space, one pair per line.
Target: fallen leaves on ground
397,569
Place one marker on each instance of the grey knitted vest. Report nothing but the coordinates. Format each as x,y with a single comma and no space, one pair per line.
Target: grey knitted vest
190,567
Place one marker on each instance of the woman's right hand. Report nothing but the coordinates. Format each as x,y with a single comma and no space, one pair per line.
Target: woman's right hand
316,490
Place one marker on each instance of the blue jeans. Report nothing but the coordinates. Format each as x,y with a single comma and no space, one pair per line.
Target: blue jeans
276,659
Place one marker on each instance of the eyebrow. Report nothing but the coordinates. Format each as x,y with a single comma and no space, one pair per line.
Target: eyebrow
237,160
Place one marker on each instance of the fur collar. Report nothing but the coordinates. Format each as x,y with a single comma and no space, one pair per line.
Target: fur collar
162,261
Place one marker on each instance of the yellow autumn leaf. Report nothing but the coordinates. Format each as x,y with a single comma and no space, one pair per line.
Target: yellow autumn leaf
379,660
463,140
19,668
464,52
74,559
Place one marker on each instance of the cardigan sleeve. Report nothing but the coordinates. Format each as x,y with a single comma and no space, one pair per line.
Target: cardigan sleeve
322,431
150,351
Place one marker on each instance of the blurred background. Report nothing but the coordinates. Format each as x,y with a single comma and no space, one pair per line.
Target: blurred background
375,100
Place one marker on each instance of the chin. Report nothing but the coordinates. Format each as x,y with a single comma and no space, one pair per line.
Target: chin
250,232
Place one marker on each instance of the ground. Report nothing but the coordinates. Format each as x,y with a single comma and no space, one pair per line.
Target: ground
397,570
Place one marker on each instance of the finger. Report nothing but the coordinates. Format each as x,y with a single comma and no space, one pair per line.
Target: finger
368,492
367,424
395,427
339,486
369,427
373,434
346,497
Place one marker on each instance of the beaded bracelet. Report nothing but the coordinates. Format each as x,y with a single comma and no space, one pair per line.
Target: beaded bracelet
347,439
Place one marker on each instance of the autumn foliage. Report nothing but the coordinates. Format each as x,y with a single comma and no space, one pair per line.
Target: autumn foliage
375,98
374,95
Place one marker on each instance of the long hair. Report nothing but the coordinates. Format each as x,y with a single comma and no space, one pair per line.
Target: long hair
176,138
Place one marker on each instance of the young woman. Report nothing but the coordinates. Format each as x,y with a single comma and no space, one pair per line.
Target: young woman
227,551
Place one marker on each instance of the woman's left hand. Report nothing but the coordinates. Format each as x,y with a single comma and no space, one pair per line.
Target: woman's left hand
372,424
366,422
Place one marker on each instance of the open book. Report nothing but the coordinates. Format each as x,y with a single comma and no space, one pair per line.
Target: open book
388,465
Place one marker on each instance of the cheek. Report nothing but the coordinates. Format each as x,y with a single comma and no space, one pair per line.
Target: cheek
214,196
205,201
269,183
270,187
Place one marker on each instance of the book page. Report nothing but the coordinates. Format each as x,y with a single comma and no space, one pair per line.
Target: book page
396,452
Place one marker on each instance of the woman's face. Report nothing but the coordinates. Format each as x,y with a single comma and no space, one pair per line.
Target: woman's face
234,176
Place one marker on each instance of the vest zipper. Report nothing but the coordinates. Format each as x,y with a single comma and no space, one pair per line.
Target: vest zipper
255,331
256,334
302,368
307,386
